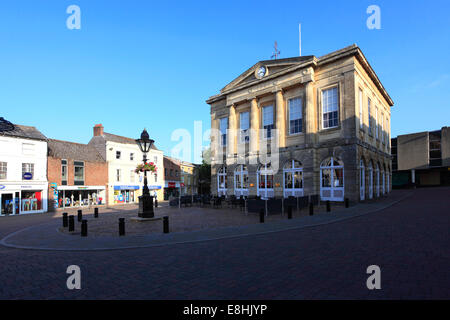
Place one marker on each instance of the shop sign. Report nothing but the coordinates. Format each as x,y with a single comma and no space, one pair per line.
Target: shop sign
126,187
54,185
154,187
171,184
2,187
27,176
182,184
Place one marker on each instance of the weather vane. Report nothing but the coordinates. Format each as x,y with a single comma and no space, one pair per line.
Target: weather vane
276,52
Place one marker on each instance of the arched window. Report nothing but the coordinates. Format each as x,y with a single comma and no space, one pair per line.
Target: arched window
332,179
222,181
293,179
377,175
362,180
265,181
370,180
241,181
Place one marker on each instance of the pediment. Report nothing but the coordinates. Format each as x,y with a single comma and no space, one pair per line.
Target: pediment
273,67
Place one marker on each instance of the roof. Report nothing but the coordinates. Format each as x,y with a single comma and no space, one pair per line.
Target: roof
15,130
71,150
119,139
283,66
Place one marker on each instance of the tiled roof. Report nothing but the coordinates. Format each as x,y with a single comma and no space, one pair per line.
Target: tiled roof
120,139
20,131
71,150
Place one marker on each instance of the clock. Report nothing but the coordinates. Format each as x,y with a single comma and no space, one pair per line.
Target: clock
261,72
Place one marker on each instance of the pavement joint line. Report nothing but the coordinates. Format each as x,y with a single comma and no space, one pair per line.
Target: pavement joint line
242,235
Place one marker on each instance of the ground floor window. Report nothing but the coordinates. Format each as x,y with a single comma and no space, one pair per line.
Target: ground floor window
78,198
241,181
332,179
31,201
222,181
124,196
293,179
265,181
362,180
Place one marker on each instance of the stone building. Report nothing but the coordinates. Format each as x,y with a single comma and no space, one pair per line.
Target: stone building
421,158
77,174
324,124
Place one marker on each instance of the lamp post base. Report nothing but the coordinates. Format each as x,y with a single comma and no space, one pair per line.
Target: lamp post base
146,207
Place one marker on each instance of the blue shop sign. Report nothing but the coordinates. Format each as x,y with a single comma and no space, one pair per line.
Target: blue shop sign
28,176
126,187
154,187
2,187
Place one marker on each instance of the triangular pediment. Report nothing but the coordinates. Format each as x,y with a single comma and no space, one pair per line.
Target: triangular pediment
272,67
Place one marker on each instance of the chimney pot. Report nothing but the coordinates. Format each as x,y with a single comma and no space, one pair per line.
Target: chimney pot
98,130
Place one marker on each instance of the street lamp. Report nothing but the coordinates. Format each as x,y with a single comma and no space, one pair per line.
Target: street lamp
146,200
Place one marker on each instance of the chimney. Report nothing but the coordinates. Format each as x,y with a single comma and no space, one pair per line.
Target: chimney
98,130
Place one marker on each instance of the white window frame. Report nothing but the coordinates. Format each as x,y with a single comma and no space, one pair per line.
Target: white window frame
4,165
332,189
371,180
30,169
290,115
241,173
223,131
294,192
369,115
118,175
265,170
322,113
361,120
222,172
376,122
264,125
362,180
244,133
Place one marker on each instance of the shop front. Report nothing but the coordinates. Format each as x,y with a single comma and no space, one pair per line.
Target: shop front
22,199
125,194
78,196
171,189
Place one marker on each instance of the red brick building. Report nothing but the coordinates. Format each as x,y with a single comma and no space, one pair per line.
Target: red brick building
77,175
172,173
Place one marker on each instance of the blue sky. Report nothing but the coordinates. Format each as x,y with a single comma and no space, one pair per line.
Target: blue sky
152,64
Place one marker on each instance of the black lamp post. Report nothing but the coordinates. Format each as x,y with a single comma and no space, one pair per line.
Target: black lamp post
146,200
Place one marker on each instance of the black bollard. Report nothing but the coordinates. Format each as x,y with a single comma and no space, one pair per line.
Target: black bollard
80,215
84,228
311,209
95,212
121,226
289,212
328,206
65,220
347,202
261,215
71,223
156,203
166,224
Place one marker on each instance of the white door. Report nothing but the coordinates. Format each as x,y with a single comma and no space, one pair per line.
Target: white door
332,180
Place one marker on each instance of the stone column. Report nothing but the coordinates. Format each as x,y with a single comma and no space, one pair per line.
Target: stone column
214,138
310,116
254,126
280,118
232,130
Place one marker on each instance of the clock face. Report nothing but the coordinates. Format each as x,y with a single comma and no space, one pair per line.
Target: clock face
261,72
